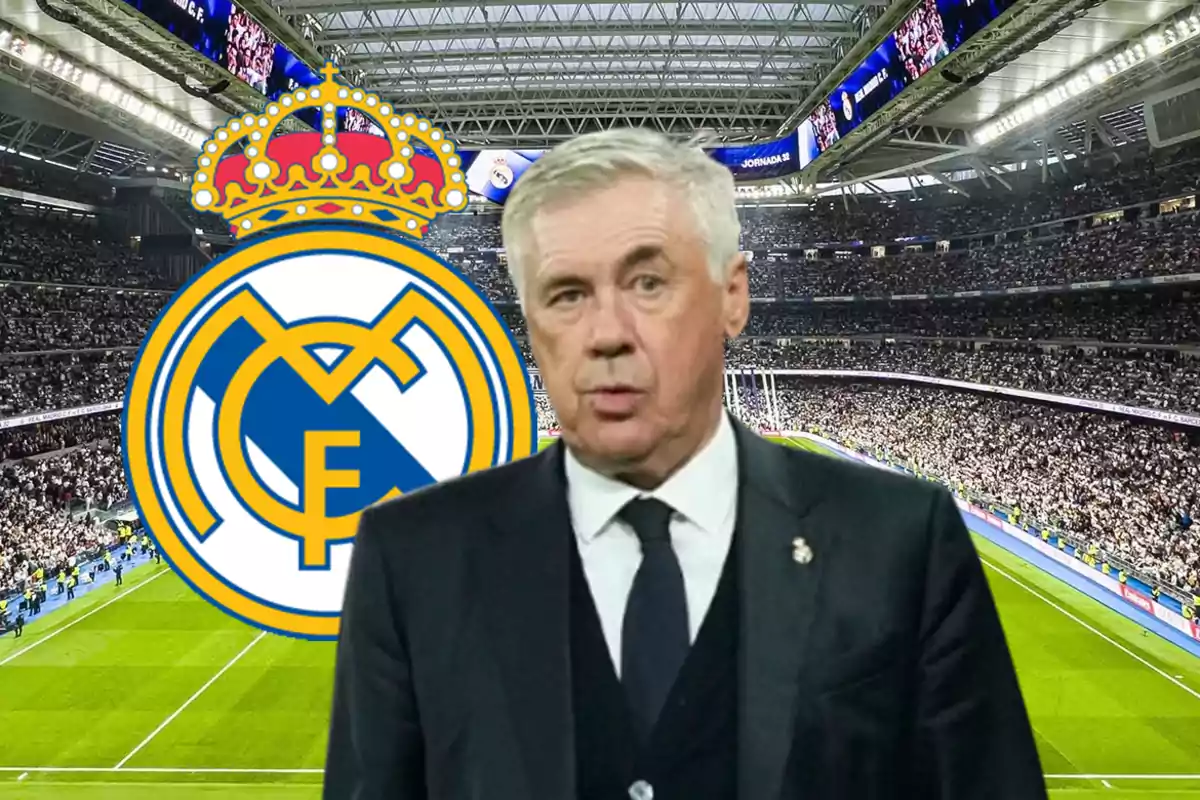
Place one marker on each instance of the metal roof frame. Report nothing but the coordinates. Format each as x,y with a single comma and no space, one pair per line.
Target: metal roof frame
1021,27
1099,121
532,75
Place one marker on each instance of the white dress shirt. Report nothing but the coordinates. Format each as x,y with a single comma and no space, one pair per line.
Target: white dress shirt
704,495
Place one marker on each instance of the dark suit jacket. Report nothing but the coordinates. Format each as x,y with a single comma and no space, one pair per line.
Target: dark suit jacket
877,670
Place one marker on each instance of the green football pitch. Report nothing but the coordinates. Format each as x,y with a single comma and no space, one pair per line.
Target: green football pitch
147,691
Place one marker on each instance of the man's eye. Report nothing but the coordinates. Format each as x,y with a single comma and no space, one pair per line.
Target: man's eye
566,297
648,283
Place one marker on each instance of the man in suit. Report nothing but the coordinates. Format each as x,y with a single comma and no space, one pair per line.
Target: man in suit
663,605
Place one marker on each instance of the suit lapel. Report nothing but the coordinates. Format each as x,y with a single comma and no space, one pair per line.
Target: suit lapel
778,602
524,583
525,591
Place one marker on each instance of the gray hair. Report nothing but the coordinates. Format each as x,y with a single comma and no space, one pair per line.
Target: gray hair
596,161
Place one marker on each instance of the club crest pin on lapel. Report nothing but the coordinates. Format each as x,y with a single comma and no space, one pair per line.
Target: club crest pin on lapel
801,552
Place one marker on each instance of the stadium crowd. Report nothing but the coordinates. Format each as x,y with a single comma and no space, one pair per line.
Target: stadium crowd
66,379
40,317
27,441
1122,486
61,249
36,494
1130,488
1162,379
1159,317
1164,246
875,220
1168,245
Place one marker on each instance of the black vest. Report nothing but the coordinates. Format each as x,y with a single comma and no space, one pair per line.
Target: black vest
692,752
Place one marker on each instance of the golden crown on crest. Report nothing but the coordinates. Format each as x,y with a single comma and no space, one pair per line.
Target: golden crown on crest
401,178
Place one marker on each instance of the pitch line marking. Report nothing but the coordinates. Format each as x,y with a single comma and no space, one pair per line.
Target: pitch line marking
311,771
1099,633
1104,778
170,770
190,700
78,620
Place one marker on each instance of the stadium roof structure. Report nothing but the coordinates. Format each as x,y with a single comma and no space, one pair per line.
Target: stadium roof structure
529,75
945,123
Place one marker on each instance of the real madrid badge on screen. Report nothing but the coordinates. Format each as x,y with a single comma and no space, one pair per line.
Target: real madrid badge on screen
326,363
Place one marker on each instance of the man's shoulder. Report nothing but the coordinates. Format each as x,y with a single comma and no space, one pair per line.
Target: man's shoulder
881,519
847,480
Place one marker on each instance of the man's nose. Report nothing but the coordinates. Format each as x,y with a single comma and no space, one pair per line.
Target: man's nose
610,329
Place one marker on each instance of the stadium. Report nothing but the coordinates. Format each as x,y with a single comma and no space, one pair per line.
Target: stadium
974,258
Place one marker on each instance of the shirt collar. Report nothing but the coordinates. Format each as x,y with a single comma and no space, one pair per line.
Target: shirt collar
703,490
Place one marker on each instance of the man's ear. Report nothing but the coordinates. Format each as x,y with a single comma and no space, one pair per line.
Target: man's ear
736,299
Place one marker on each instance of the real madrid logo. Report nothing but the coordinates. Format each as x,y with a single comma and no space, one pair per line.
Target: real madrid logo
501,174
316,370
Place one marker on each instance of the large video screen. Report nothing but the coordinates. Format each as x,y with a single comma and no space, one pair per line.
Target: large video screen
201,24
228,36
355,121
249,50
930,32
288,73
761,161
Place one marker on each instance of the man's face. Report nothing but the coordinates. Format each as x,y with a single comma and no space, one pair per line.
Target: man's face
628,326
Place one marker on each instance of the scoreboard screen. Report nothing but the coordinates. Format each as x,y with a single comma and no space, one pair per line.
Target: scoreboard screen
764,160
201,24
249,50
931,31
228,36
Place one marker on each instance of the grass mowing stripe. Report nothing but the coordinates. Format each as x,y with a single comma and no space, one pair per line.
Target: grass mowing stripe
1102,777
190,700
77,620
49,789
1094,630
170,770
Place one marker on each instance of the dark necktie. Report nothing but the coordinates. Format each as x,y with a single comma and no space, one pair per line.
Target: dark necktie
654,637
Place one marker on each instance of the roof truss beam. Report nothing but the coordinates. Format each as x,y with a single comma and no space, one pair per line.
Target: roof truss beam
944,180
491,71
987,169
755,81
931,137
365,34
541,97
718,53
317,6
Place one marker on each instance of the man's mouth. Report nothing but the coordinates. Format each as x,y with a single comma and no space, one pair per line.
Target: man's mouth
614,400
